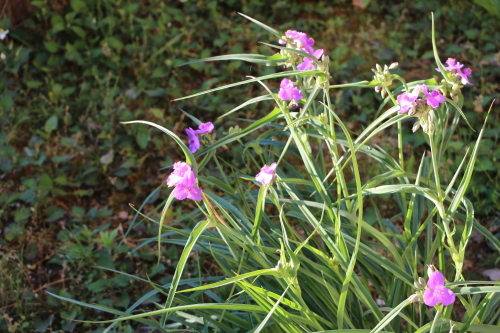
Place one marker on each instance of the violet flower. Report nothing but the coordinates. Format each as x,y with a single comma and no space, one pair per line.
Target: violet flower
288,91
308,63
267,174
437,293
194,141
301,40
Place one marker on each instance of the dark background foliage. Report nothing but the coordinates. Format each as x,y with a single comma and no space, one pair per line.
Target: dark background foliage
72,70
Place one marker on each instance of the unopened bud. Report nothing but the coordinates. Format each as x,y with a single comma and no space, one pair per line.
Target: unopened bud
378,67
424,128
430,128
394,65
386,69
421,280
383,93
417,285
378,89
414,298
416,126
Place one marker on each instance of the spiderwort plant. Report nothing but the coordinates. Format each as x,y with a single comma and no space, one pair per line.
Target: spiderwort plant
314,251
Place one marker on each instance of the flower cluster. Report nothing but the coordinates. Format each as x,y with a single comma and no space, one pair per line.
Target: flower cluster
411,104
184,181
267,174
433,292
383,77
455,68
289,92
194,141
300,41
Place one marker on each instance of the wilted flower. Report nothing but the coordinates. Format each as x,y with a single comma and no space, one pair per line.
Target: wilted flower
436,292
3,34
299,39
184,180
288,91
456,68
194,141
266,174
308,63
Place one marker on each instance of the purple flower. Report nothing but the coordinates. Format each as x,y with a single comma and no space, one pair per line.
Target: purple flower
455,67
182,192
288,91
184,180
266,174
301,40
434,98
407,101
308,63
452,65
437,293
205,128
194,142
465,76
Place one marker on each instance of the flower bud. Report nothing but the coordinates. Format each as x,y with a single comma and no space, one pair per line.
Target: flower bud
394,65
430,270
414,298
383,93
378,67
421,280
378,89
417,285
416,126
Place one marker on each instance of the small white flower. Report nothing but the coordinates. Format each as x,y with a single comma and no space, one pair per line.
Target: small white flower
3,34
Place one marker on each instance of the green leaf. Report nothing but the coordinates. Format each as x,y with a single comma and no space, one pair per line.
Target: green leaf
492,6
54,213
78,5
52,47
51,124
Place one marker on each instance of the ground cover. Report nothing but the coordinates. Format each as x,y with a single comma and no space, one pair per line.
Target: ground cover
74,70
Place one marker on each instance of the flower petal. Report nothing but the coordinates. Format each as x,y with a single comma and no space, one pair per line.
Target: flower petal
436,280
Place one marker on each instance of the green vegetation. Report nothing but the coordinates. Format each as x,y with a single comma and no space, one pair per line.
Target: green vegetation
76,69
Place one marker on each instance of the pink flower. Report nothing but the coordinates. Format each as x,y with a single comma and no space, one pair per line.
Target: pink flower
437,293
433,98
455,67
301,40
184,180
205,128
266,174
308,63
288,91
182,171
194,141
407,101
